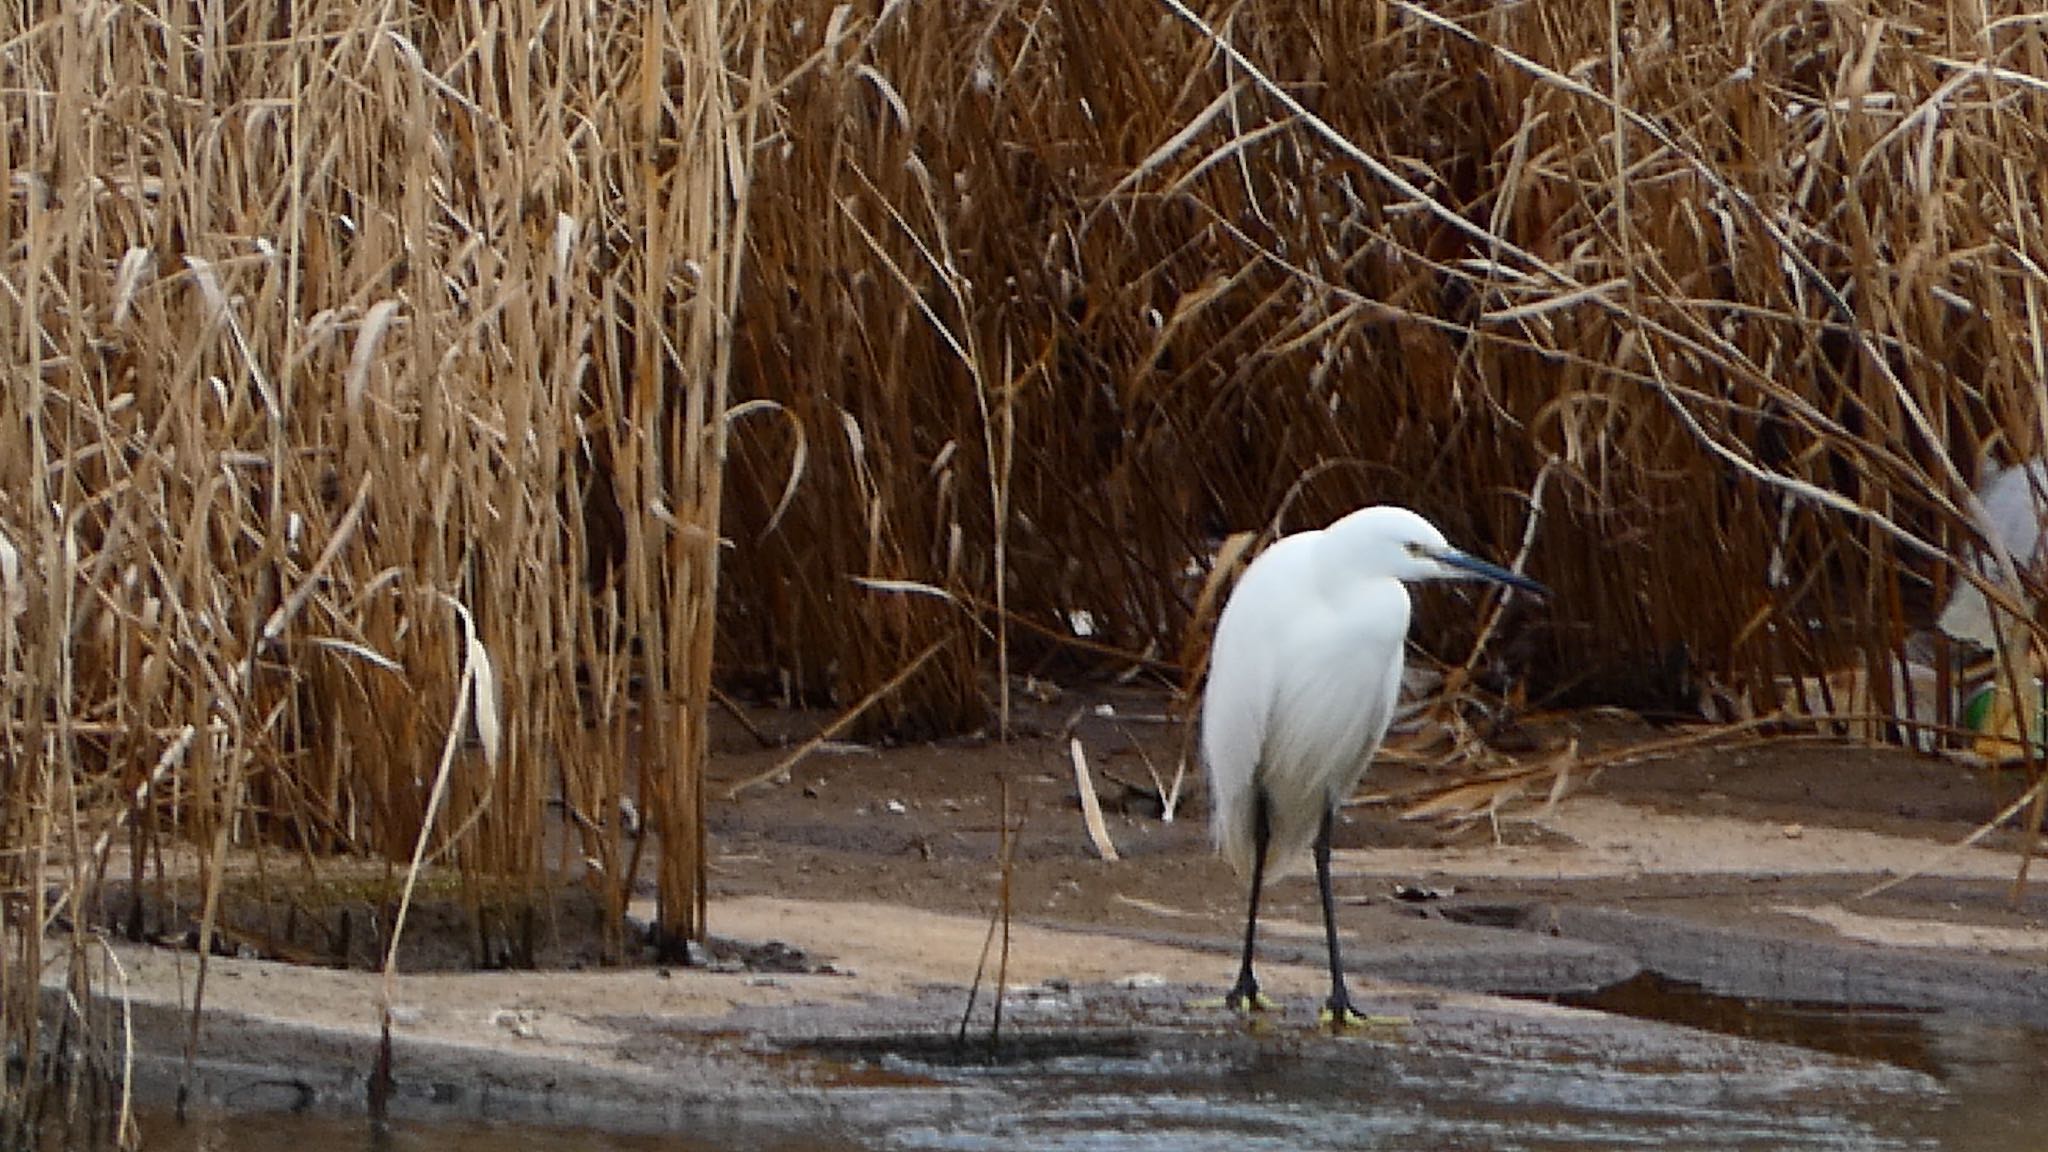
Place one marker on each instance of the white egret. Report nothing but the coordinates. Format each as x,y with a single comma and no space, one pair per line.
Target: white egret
2014,499
1303,678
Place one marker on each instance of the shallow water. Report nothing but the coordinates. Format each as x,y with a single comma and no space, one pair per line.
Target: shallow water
1994,1078
1910,1081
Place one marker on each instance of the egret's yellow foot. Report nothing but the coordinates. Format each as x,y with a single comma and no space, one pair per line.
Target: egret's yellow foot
1340,1020
1256,1002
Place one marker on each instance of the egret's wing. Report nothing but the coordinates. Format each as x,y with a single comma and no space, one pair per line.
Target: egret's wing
1236,708
1336,696
1235,711
1237,705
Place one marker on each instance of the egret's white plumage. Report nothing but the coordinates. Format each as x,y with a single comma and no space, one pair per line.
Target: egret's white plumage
2013,499
1300,692
1304,676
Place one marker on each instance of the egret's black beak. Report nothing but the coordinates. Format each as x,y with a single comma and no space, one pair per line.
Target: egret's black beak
1480,569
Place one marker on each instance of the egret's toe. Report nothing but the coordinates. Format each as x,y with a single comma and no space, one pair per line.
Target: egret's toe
1341,1018
1346,1018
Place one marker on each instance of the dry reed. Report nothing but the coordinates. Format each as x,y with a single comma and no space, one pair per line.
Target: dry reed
1754,286
346,344
320,317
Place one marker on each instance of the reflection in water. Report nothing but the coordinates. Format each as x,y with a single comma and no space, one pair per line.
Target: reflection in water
1991,1074
1864,1032
1536,1088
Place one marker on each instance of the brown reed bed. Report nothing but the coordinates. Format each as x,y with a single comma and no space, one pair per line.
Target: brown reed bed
366,387
367,377
1755,285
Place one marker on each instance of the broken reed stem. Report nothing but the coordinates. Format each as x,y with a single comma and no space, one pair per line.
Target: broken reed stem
213,869
1007,852
1169,794
1055,637
2030,840
738,712
999,920
2016,662
458,726
1000,463
2030,752
1091,805
2031,797
125,1133
1705,737
840,723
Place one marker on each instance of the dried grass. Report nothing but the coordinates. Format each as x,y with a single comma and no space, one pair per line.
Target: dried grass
1754,286
318,317
321,318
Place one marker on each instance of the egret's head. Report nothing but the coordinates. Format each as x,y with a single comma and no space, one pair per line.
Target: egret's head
1388,541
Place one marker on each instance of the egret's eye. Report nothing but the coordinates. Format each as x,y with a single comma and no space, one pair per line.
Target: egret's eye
1414,549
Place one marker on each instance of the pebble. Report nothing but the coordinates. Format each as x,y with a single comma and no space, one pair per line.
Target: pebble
518,1023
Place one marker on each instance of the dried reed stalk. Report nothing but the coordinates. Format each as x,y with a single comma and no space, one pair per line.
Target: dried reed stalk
1765,282
317,315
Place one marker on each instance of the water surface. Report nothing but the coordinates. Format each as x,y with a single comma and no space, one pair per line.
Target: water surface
1864,1079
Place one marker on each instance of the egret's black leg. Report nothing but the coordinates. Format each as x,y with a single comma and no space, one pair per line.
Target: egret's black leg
1245,993
1339,1007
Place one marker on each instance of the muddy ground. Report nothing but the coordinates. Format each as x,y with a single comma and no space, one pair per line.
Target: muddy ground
1743,832
855,897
